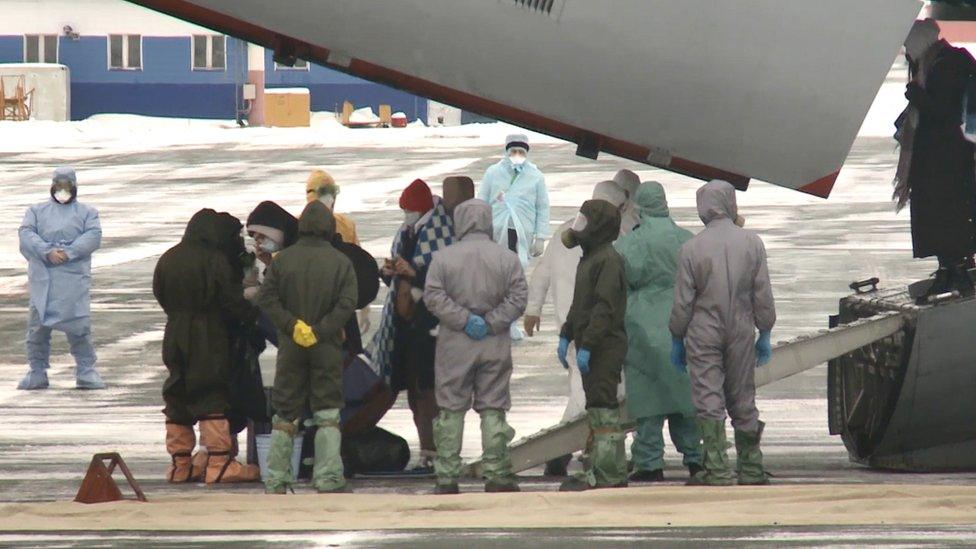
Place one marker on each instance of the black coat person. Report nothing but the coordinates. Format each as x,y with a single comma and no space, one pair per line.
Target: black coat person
936,171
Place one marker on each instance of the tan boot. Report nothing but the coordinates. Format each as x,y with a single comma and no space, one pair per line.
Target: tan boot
199,462
221,466
180,441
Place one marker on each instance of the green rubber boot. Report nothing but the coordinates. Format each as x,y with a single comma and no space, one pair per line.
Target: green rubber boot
280,476
448,433
715,460
327,472
496,434
750,459
607,463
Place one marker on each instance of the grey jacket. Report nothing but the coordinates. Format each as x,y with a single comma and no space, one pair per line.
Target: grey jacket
722,288
476,276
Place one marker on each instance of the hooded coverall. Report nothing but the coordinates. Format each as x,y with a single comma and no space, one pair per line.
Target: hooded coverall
313,282
201,293
722,294
474,276
60,294
555,274
655,390
596,323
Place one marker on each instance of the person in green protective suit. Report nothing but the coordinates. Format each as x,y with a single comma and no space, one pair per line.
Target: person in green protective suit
655,390
596,324
309,293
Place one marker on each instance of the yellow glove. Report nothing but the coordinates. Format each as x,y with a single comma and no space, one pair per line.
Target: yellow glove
303,334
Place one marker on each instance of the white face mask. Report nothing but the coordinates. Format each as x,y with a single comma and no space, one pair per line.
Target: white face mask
62,196
411,218
269,246
517,159
328,200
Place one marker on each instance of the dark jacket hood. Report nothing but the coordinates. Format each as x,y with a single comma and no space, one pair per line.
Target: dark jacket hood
716,200
317,221
270,214
602,226
202,229
472,217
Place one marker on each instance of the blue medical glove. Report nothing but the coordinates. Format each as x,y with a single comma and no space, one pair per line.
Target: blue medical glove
562,351
678,359
764,349
476,328
583,361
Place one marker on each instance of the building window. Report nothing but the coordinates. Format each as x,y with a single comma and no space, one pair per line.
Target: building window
125,52
209,52
300,65
40,48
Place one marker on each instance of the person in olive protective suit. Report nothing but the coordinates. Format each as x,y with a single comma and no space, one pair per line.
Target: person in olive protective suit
595,323
309,292
200,289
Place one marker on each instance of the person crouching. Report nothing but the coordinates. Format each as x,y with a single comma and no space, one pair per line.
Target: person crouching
309,293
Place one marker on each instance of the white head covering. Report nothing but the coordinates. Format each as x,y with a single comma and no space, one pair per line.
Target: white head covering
628,181
519,140
611,192
923,35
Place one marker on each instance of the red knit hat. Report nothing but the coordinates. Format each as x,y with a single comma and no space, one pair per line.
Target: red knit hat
417,198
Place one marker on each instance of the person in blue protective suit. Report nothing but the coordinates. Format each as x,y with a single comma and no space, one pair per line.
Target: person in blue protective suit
516,190
722,295
58,237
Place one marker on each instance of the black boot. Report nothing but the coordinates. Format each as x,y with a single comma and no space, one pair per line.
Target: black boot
961,281
558,467
656,475
694,469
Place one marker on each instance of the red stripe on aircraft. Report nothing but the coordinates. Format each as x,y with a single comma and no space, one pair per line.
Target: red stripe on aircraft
256,34
822,186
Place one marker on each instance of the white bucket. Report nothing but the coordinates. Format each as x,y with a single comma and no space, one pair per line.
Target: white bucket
263,442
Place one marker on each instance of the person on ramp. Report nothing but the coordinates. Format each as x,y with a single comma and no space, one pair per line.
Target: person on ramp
309,293
478,290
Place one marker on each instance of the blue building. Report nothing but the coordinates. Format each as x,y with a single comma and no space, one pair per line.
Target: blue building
124,58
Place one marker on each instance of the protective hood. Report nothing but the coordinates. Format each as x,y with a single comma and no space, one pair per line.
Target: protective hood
472,217
273,221
202,229
716,200
65,173
317,220
651,200
229,238
611,192
602,226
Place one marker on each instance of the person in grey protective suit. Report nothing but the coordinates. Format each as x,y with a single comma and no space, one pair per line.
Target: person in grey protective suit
477,289
722,295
